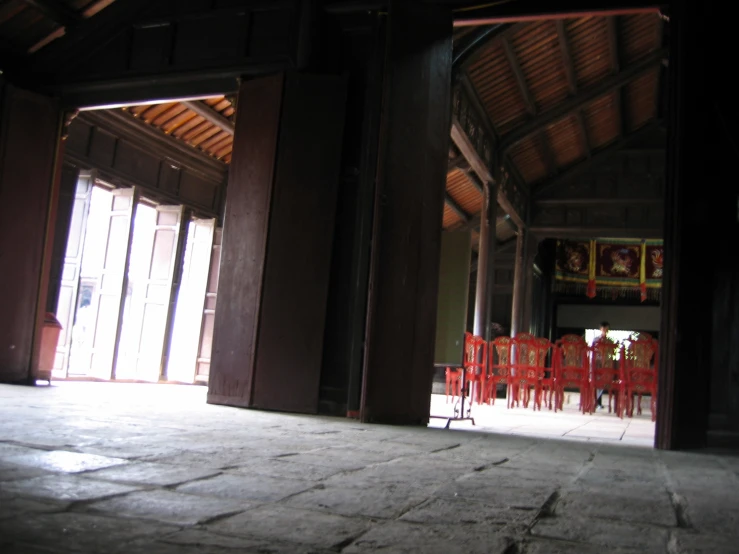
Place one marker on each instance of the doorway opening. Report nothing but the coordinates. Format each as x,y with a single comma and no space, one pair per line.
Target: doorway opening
564,116
138,289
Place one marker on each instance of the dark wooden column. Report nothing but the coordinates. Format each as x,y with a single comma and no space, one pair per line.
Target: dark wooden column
485,287
531,248
519,283
701,145
30,127
409,204
277,238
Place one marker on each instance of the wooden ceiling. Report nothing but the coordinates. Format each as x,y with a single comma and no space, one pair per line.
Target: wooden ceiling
555,93
206,125
27,26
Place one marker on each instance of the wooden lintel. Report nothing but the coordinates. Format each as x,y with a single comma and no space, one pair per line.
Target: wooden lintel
598,156
136,131
210,115
584,97
582,232
523,87
580,202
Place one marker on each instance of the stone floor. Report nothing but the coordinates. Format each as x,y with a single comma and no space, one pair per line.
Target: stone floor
118,468
567,424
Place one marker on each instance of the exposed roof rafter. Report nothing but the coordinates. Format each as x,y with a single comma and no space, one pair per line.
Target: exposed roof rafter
523,88
58,12
583,98
210,115
596,157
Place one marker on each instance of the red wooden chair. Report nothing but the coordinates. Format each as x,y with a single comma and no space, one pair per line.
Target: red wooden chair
571,370
640,361
475,362
499,369
453,382
606,374
529,369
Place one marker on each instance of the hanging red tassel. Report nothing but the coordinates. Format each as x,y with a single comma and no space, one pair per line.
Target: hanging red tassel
590,291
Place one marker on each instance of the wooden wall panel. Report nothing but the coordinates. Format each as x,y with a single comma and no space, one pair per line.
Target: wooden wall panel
29,140
410,189
244,245
140,50
293,311
125,152
277,240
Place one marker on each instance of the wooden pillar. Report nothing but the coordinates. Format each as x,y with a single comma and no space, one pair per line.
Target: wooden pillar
485,287
531,248
277,239
30,126
686,332
414,142
519,283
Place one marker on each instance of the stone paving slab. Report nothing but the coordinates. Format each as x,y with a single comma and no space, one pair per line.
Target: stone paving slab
147,473
61,460
380,502
410,538
79,533
246,487
281,523
656,510
604,533
211,542
12,472
268,482
168,507
14,506
285,468
66,488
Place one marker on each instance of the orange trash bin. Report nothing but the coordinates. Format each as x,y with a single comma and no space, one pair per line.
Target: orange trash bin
49,340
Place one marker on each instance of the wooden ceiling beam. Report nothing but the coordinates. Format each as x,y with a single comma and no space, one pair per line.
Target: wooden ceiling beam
458,162
210,115
613,43
564,46
595,158
581,99
58,12
584,135
469,45
523,87
455,207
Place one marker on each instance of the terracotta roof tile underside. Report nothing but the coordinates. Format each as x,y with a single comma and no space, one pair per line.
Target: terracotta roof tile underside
538,51
174,118
450,218
540,58
567,141
463,192
492,77
602,121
